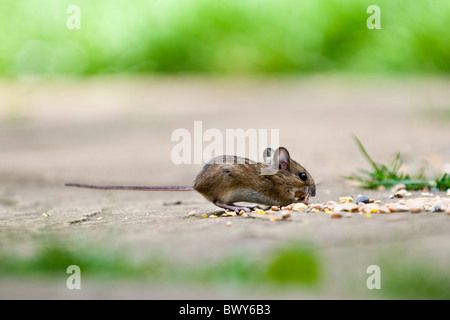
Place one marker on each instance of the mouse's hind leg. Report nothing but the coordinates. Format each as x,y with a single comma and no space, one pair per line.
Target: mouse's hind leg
235,207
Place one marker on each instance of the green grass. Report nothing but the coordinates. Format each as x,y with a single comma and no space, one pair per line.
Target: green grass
222,37
297,265
390,174
408,277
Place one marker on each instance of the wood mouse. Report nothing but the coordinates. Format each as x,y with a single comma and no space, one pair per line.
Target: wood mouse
226,180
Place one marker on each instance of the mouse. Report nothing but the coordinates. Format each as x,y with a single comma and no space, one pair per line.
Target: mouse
228,180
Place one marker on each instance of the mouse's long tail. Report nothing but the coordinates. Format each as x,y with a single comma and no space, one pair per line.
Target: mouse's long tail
142,188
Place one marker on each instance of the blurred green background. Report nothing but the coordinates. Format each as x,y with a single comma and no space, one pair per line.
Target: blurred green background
243,37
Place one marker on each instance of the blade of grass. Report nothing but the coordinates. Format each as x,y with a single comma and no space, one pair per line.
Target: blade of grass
364,152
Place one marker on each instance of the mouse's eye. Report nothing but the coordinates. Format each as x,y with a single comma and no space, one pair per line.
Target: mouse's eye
303,176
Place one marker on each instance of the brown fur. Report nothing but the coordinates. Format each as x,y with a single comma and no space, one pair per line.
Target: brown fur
229,179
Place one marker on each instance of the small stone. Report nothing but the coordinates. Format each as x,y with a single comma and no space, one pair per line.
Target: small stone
205,216
228,224
244,215
336,215
425,194
273,219
275,208
348,215
213,216
192,213
363,199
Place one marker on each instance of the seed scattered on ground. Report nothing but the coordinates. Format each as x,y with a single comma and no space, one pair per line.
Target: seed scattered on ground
401,208
285,214
384,209
400,193
416,208
299,207
345,199
345,206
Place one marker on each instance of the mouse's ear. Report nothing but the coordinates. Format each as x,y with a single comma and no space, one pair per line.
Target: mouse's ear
282,157
268,154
